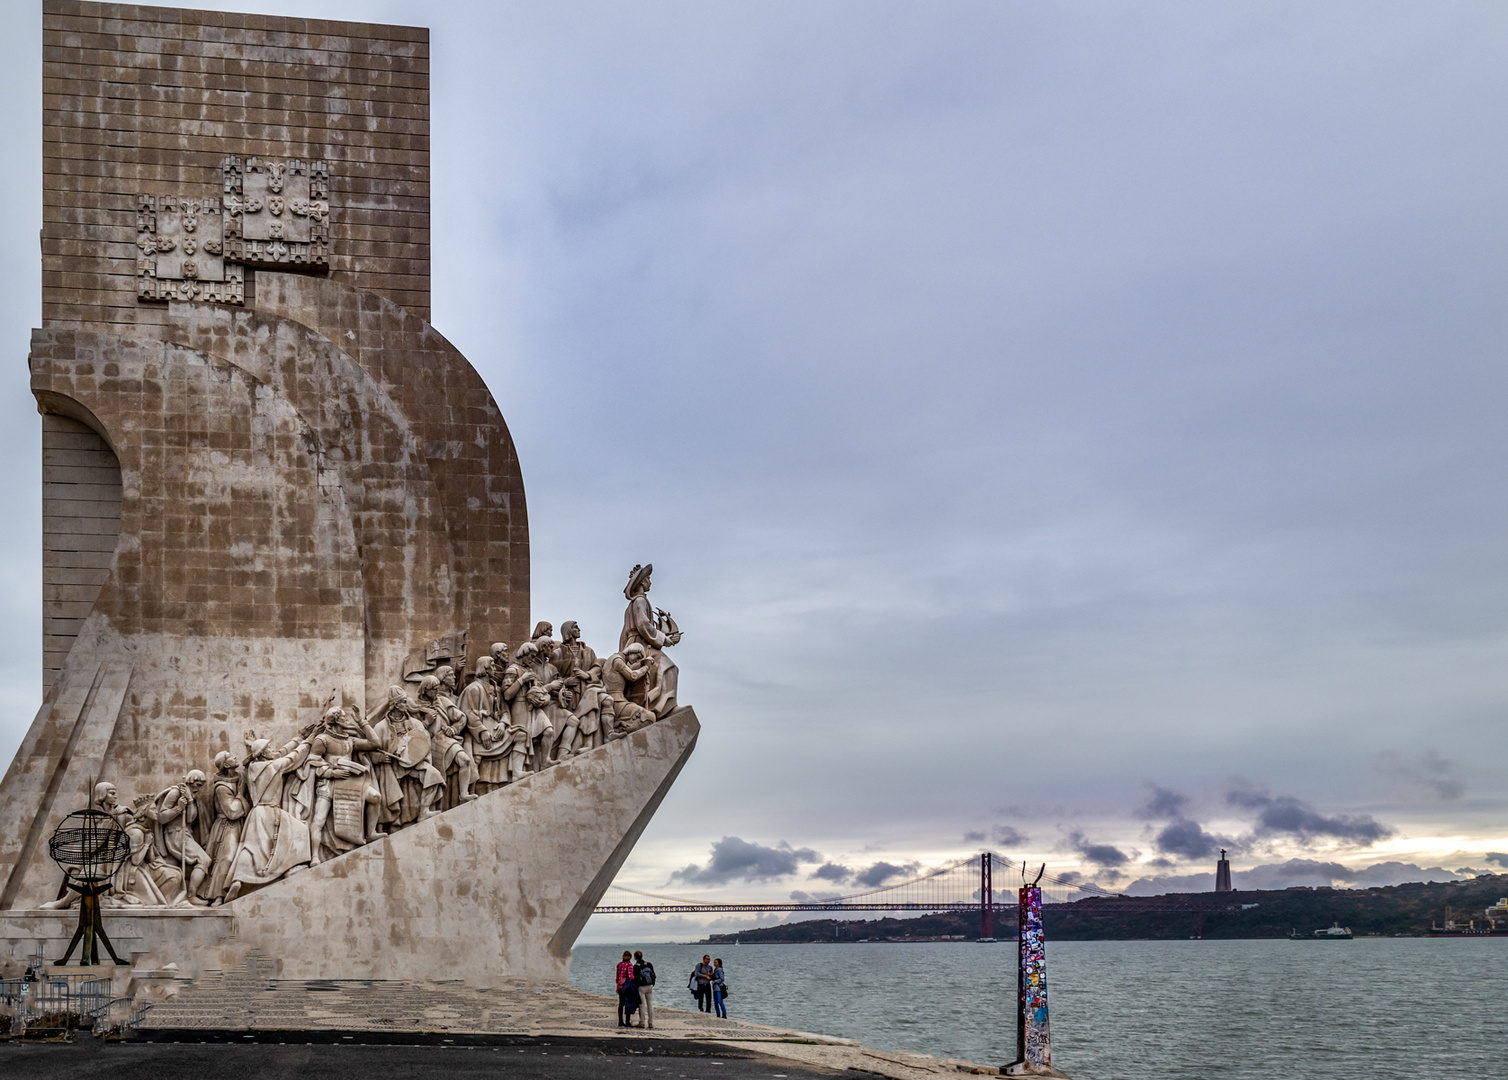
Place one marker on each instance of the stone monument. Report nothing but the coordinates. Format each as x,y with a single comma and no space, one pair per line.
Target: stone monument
286,546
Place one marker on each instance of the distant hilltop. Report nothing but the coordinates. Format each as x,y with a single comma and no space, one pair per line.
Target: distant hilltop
1387,911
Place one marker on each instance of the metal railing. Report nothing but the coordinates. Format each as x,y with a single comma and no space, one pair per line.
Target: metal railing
48,1006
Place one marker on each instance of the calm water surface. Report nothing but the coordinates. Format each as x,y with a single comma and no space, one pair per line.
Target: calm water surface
1170,1010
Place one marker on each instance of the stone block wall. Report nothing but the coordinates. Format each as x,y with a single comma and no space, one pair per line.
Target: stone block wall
80,525
147,99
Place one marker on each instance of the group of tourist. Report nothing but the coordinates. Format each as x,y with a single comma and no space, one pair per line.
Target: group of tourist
635,981
348,780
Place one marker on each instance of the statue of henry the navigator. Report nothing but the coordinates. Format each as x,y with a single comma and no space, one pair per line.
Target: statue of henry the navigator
656,631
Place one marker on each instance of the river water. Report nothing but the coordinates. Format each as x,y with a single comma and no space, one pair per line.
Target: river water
1161,1010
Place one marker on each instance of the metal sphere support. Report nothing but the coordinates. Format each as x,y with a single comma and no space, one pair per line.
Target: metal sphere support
89,846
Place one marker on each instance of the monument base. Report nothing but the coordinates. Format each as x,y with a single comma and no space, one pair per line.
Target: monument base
498,887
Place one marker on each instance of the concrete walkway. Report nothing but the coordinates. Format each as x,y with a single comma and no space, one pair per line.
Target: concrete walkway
250,1000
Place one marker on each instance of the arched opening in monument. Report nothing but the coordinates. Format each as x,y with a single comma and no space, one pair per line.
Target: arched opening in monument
80,525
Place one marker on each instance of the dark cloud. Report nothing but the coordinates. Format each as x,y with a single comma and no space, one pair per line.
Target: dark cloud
1164,803
882,873
1497,858
1284,815
1008,836
1005,835
734,858
1103,855
832,872
1187,839
1182,836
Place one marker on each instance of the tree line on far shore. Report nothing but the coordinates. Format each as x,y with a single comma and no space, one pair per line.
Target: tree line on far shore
1388,911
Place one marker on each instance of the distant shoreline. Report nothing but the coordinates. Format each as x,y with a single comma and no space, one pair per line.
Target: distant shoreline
1382,912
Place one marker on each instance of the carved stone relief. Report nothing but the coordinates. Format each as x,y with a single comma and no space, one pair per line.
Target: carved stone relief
273,213
181,245
277,212
348,779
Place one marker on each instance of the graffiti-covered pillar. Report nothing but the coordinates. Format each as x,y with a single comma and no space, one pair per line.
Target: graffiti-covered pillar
1033,1045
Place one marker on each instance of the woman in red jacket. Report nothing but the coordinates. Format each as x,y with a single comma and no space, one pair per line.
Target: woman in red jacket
625,982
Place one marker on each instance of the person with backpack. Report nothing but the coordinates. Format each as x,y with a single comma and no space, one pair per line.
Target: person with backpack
625,983
644,979
719,988
701,984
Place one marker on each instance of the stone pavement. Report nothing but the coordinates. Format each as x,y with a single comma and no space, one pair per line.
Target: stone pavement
250,1000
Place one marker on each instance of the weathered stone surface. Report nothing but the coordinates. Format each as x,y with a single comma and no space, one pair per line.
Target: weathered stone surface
282,514
499,887
80,521
152,100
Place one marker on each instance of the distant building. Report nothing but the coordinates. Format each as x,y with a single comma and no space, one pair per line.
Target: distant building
1222,874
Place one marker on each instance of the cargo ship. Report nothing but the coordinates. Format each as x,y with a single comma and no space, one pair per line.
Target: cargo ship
1493,922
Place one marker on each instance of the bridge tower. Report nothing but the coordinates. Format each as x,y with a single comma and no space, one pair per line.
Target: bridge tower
986,898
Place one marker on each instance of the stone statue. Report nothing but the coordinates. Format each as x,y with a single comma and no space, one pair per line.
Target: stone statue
478,704
143,877
580,694
622,671
106,800
347,800
228,800
499,655
445,723
411,787
177,811
273,841
656,631
528,686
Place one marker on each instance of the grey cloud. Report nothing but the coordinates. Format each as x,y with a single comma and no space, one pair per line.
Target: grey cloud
1425,773
802,897
1284,815
1497,858
832,872
881,873
1008,836
1164,803
1187,839
734,858
1292,872
1103,855
1398,873
1182,836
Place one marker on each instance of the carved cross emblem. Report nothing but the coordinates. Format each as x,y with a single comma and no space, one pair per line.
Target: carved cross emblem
273,213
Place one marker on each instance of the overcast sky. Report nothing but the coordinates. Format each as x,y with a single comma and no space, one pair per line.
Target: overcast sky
1072,429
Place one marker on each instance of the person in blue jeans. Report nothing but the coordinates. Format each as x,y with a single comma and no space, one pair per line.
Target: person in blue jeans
719,984
701,984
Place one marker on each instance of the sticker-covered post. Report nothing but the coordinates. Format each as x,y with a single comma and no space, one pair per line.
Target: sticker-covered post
1033,1044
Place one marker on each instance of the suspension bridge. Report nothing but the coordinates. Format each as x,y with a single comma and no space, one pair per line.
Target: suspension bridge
966,884
962,885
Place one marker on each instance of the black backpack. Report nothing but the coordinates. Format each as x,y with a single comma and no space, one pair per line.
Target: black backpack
644,973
